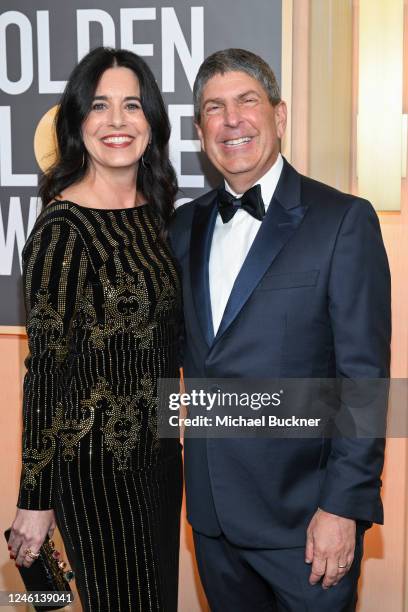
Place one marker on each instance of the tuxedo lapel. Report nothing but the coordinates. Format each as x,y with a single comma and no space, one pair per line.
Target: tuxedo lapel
283,217
202,230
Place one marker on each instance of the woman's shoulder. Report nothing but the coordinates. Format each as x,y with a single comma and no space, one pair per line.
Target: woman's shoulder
65,210
57,224
57,215
64,221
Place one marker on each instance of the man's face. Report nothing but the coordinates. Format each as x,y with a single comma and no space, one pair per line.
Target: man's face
239,128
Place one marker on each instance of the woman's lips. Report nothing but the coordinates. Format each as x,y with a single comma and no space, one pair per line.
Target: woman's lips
117,141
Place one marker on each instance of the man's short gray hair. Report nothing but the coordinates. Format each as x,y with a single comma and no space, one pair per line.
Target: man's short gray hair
230,60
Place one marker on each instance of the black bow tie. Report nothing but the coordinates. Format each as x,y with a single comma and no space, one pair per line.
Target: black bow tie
251,201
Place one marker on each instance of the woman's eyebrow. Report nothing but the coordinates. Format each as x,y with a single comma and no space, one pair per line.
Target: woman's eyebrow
107,97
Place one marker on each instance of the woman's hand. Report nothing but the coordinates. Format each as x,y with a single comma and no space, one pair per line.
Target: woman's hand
28,531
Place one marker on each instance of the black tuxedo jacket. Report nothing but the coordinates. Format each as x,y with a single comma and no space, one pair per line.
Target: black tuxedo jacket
312,300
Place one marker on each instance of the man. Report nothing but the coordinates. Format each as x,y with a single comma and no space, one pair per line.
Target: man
293,284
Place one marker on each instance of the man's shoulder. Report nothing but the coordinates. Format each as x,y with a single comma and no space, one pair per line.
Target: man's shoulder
203,200
183,214
321,196
316,191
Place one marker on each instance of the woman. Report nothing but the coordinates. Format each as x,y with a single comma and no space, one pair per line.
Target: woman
103,309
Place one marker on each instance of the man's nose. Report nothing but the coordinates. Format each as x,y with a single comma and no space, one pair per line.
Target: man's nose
232,116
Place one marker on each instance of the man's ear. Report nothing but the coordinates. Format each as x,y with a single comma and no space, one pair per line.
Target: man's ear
200,135
281,114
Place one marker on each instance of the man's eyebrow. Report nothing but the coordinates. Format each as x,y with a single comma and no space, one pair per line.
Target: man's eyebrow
249,92
213,101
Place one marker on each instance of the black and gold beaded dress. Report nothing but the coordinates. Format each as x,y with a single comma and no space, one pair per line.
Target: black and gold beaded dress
103,309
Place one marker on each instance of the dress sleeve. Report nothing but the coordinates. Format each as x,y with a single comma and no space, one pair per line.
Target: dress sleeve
55,266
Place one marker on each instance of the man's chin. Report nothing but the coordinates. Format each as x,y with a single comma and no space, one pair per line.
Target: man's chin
236,169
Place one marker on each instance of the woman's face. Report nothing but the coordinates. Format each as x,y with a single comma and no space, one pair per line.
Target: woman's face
116,132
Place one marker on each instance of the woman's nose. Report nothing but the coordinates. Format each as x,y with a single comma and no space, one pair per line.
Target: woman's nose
116,116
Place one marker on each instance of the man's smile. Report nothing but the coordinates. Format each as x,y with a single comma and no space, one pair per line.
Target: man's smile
237,141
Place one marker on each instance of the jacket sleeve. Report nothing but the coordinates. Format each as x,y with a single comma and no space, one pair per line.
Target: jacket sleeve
54,273
176,241
360,312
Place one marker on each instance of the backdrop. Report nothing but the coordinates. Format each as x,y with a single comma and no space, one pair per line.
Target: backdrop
40,42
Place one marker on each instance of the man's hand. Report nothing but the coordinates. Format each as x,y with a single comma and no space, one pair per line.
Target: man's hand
330,544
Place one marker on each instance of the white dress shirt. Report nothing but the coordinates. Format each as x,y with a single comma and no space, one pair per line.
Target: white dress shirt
231,242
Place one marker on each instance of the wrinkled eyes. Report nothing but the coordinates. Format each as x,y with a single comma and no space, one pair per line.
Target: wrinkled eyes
213,108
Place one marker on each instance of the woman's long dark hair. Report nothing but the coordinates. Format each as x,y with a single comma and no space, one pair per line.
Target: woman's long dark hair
156,178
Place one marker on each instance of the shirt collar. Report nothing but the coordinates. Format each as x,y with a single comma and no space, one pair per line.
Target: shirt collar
268,182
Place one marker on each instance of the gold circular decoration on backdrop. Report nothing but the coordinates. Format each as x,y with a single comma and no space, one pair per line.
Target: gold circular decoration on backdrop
45,144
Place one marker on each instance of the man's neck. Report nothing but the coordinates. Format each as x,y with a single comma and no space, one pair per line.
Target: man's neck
239,184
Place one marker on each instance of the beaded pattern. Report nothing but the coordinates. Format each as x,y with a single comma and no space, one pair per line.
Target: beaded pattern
103,304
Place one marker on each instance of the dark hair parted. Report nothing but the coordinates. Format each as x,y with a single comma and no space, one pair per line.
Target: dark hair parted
230,60
156,178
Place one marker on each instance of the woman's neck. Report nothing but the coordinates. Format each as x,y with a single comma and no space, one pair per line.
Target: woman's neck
106,188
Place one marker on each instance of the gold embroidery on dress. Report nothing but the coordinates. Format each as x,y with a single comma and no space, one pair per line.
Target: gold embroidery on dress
168,296
71,431
35,460
126,310
122,429
86,319
45,318
151,401
68,432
